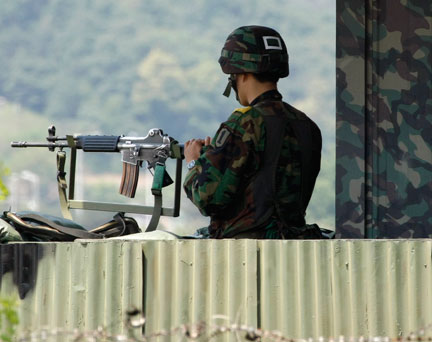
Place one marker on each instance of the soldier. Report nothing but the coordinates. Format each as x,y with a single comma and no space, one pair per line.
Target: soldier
256,176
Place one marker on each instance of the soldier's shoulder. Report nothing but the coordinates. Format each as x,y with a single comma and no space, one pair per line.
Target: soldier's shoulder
240,113
246,117
243,110
249,123
244,114
298,114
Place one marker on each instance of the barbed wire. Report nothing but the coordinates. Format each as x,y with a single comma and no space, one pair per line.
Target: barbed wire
201,331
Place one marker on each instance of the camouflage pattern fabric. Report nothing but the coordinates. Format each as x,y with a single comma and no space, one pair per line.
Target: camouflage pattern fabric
254,49
384,119
222,183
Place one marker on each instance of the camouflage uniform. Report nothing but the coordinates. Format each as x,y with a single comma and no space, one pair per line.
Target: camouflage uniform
250,179
384,119
224,184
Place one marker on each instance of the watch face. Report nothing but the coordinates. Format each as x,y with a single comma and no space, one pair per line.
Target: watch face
191,164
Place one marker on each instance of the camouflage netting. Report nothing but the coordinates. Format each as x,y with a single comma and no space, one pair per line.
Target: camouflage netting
384,119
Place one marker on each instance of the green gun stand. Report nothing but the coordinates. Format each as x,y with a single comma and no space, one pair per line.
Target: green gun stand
68,201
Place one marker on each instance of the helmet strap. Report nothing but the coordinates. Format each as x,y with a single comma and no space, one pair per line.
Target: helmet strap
227,91
231,84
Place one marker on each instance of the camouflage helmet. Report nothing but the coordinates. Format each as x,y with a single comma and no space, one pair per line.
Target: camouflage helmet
254,49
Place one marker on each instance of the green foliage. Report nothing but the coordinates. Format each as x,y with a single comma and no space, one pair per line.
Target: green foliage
104,60
4,192
123,67
8,319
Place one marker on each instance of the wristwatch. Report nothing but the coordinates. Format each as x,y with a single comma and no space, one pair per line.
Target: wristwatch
191,164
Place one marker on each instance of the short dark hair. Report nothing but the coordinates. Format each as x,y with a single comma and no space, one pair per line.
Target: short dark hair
267,77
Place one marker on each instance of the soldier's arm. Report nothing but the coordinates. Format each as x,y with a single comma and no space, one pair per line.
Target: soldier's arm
217,177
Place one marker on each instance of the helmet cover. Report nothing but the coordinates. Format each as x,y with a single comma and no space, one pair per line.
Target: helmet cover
254,49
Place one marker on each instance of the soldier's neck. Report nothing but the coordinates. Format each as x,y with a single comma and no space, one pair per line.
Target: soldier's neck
254,88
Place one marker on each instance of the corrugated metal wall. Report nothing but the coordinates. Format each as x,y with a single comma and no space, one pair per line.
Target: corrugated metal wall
300,288
72,285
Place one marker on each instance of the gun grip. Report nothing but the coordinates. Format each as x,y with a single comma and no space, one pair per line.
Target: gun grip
129,180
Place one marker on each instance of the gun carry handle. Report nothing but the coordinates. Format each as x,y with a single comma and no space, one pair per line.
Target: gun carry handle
129,180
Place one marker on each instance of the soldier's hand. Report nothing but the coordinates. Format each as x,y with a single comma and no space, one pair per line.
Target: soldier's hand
192,149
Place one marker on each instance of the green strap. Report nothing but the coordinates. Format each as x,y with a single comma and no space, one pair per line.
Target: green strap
157,210
158,182
62,184
176,150
158,179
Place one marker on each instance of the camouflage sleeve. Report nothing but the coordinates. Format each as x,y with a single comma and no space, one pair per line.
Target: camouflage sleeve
217,177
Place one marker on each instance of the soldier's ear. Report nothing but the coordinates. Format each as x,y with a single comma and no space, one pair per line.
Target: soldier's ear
240,78
245,77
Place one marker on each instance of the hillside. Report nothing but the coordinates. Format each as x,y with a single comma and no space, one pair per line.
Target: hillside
124,67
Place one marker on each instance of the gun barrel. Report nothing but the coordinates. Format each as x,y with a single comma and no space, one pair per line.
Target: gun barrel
23,144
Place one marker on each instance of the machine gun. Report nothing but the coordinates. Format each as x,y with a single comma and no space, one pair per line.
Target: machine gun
155,148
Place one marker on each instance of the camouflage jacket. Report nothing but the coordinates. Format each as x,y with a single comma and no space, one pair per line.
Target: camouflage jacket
229,185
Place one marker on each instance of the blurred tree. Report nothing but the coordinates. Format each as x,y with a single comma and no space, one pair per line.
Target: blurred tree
122,67
4,192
